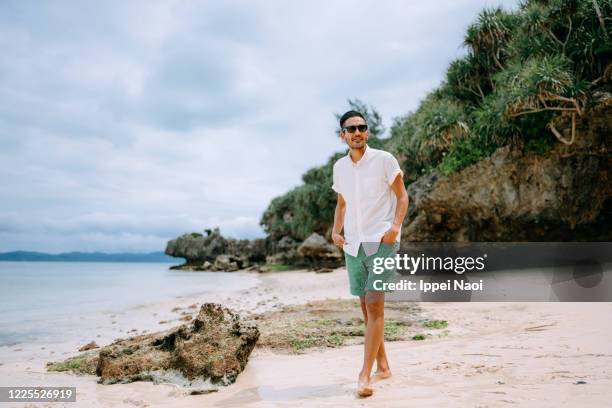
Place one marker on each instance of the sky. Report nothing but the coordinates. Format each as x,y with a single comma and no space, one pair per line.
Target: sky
126,124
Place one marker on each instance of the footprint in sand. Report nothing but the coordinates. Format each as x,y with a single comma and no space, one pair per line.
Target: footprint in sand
136,403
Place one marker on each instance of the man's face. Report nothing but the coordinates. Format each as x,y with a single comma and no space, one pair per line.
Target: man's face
358,139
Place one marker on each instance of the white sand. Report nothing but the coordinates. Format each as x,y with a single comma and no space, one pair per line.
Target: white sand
497,354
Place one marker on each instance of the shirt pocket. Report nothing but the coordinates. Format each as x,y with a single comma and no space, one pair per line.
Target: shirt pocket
373,187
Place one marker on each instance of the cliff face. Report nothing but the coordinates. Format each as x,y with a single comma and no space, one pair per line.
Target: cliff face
563,195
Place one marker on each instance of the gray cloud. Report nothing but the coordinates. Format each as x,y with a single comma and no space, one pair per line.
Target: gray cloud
124,124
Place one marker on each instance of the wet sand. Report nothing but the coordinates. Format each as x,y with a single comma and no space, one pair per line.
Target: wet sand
495,354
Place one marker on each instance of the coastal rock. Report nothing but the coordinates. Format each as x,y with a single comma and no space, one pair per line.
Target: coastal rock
319,253
227,263
213,252
286,244
213,348
284,252
563,195
290,257
196,247
89,346
248,251
418,190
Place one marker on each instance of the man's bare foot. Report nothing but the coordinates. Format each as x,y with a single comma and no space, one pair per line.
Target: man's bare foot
363,387
381,375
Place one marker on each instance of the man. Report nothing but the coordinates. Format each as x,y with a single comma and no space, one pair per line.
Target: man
371,205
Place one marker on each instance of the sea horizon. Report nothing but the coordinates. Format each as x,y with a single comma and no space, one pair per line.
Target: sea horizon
89,256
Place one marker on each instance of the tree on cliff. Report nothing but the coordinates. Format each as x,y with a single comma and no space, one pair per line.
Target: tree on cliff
522,69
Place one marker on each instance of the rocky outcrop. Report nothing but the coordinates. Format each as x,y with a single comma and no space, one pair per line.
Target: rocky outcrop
285,252
213,252
563,195
89,346
225,262
213,348
319,254
196,247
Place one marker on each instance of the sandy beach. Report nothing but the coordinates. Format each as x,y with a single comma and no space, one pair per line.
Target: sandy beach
493,354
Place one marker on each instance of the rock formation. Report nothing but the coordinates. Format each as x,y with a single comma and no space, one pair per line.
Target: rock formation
213,252
213,348
196,247
564,195
319,253
285,252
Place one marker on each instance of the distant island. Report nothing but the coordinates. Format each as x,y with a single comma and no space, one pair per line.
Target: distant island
85,257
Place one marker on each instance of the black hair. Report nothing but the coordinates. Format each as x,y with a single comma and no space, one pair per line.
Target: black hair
350,114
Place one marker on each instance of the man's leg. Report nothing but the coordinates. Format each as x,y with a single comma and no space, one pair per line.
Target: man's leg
375,308
382,364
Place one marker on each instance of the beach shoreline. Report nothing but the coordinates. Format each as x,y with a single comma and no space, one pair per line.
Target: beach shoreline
494,354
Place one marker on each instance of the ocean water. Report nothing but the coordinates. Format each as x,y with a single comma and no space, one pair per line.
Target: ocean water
41,301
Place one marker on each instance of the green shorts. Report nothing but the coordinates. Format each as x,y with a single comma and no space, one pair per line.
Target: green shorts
368,273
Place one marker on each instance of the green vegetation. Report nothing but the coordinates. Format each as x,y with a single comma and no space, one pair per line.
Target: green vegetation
276,268
521,70
419,337
84,363
305,209
394,330
435,324
332,333
300,344
75,364
330,323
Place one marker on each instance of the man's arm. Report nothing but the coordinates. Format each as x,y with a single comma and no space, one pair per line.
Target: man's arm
400,210
339,221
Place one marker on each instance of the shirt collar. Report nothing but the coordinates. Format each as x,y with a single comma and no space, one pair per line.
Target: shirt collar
363,158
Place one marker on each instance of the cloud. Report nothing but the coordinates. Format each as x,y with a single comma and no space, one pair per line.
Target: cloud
124,124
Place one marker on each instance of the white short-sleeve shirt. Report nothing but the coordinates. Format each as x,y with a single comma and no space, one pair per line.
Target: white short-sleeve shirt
370,202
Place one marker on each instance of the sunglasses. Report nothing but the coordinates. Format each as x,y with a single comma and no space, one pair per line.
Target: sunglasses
353,129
